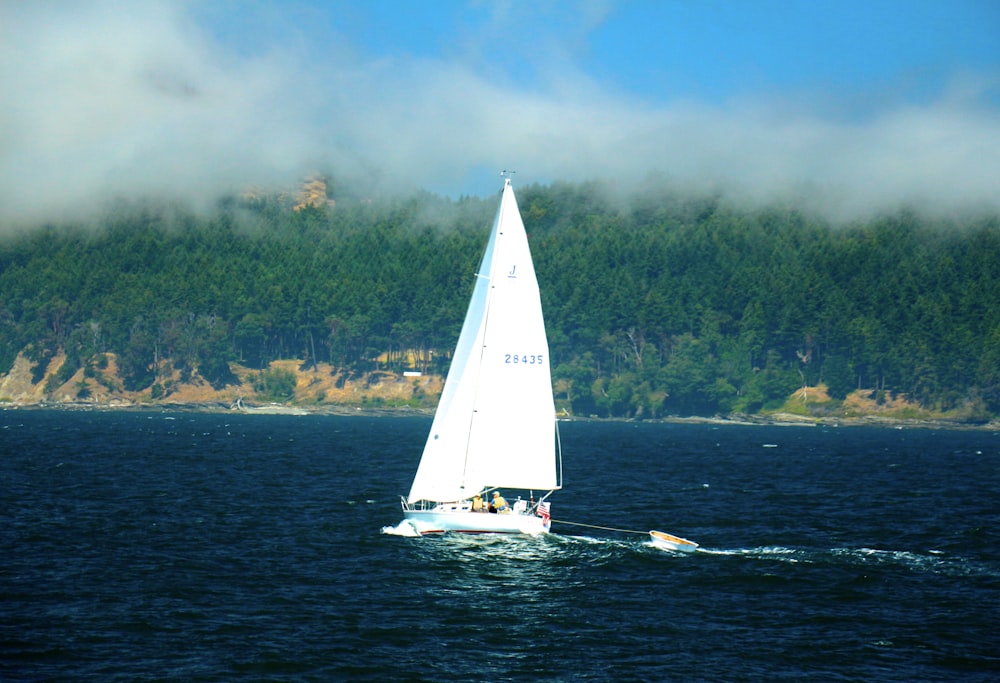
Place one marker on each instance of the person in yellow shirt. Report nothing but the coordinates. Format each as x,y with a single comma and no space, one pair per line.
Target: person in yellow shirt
499,504
477,504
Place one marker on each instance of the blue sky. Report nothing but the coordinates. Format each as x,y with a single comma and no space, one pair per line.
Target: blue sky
661,49
845,107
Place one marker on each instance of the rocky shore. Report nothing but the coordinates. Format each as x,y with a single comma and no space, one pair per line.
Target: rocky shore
324,390
772,420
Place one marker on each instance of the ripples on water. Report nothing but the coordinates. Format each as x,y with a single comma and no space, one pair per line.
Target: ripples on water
151,546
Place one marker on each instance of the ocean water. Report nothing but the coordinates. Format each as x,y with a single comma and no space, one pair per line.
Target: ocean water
156,546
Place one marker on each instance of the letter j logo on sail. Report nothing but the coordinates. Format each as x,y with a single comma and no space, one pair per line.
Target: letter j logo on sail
511,273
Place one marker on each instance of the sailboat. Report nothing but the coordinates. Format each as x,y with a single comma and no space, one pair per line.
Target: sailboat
495,430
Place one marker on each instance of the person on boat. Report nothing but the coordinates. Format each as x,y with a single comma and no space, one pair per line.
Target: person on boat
477,504
499,504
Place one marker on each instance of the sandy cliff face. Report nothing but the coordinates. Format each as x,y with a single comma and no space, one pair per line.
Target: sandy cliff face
319,386
16,385
313,193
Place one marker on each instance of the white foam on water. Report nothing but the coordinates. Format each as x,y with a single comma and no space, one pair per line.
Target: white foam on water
404,528
932,561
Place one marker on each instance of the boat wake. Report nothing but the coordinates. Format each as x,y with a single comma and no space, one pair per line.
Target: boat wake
931,562
599,548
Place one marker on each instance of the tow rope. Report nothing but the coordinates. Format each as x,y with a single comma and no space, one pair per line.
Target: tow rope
604,528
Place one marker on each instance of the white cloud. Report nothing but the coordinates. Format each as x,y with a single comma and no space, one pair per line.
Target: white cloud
103,99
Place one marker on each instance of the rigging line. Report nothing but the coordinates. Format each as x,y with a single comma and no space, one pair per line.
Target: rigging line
605,528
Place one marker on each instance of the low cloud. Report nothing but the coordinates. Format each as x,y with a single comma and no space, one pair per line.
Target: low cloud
104,100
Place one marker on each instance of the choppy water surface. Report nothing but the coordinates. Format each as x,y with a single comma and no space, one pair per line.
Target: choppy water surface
194,547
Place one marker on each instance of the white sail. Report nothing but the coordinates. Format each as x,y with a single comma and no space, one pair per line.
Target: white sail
495,423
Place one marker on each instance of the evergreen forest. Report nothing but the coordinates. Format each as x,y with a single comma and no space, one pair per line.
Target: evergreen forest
658,304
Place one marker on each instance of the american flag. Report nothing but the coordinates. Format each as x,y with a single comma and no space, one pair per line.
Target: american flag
543,511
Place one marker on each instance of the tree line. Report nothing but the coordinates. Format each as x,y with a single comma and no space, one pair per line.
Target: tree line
655,304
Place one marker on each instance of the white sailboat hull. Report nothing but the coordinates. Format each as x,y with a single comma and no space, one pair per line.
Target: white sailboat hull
456,517
430,522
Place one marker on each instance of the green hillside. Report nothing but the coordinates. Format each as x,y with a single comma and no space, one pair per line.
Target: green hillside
657,304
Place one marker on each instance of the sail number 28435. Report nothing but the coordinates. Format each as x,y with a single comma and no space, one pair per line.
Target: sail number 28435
522,359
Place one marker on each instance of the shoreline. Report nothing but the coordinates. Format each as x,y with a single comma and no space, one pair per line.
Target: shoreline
348,410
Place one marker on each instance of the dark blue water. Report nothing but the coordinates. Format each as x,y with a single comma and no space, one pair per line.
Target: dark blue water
192,547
